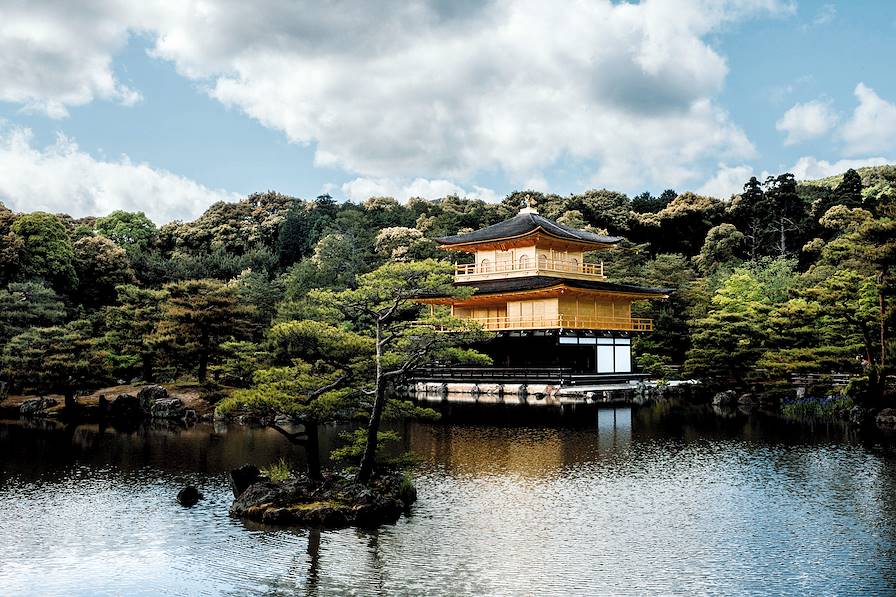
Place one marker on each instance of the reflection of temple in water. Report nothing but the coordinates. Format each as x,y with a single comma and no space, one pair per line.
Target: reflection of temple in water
528,451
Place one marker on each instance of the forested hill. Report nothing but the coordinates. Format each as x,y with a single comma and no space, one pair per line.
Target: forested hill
786,276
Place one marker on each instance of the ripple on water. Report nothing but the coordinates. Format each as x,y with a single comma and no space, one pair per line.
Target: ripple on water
633,510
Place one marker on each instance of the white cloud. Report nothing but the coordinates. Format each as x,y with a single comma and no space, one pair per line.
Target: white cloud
807,121
62,178
872,126
444,91
56,55
810,168
729,180
360,189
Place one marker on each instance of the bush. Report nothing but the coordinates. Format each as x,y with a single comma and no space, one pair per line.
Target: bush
811,407
277,471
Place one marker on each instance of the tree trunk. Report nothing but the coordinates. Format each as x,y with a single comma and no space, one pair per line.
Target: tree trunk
783,241
365,471
148,372
70,402
203,357
312,451
883,323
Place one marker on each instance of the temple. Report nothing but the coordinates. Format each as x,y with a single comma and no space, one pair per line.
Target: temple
546,300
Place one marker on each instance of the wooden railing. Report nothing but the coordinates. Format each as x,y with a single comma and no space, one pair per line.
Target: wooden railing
532,267
631,324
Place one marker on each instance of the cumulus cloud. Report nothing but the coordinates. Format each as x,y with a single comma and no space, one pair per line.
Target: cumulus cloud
626,87
806,121
54,54
439,90
872,126
729,180
810,168
62,178
360,189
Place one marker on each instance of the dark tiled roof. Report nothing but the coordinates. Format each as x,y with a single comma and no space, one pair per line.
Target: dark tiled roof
524,223
539,282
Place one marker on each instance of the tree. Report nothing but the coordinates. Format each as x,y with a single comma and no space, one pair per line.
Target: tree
731,338
723,244
130,325
27,305
749,210
198,316
60,359
681,226
101,265
338,260
788,213
383,306
47,252
132,231
398,243
292,240
11,246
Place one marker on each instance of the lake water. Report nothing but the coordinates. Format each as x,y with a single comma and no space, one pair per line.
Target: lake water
660,500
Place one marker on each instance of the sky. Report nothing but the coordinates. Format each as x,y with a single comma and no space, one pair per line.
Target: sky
167,107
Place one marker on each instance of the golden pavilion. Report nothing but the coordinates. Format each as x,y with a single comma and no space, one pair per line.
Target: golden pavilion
546,304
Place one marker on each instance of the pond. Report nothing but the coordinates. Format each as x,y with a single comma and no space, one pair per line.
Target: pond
659,500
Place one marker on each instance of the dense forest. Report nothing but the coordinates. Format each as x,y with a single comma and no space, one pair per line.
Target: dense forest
786,277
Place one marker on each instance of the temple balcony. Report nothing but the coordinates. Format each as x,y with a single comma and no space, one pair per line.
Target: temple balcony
561,268
504,323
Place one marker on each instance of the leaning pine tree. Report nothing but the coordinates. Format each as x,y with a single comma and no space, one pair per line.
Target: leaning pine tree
404,334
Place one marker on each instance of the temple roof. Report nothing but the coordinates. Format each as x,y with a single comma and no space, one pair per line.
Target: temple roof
541,282
524,223
529,283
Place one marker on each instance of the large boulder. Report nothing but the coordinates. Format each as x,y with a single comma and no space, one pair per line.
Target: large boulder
36,407
726,398
241,478
125,407
168,408
149,395
886,419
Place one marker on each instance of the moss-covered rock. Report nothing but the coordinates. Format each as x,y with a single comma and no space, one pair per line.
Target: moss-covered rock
337,500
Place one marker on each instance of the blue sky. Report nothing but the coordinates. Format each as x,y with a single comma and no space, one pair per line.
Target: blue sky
105,106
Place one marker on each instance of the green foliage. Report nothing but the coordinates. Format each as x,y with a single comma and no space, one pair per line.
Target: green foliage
824,407
239,362
132,231
47,253
277,471
27,305
198,316
59,359
294,390
101,265
356,441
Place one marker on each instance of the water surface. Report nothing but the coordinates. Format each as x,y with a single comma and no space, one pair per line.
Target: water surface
662,500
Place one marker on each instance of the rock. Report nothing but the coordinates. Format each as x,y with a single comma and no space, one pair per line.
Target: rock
168,408
858,416
36,407
747,400
148,396
125,407
726,398
334,501
241,478
188,496
886,419
190,416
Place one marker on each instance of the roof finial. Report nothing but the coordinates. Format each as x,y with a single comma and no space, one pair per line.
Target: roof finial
530,206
